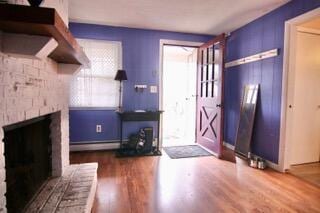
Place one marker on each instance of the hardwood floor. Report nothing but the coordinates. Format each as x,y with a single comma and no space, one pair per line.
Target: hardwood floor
309,172
200,185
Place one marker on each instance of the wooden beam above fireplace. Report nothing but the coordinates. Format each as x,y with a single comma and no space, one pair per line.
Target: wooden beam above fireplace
39,21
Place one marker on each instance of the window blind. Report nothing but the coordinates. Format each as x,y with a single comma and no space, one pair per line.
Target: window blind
96,87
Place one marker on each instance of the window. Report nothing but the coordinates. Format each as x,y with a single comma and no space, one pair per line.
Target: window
96,87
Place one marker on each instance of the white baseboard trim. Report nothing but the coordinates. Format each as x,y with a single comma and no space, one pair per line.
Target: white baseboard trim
94,146
269,163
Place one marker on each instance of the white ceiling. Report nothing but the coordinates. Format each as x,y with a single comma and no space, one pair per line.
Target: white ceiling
191,16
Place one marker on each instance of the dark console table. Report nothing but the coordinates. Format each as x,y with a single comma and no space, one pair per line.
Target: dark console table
130,116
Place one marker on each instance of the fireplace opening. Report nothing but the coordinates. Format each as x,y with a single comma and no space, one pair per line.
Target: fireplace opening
28,160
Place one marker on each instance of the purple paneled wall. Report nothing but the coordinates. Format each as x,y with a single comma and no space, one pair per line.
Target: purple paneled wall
141,61
263,34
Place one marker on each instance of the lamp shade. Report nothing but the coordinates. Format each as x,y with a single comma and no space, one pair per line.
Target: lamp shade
121,75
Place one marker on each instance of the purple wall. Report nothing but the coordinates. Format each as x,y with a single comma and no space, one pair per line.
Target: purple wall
263,34
141,61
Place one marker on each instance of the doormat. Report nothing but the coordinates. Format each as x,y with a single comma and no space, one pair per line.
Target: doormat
189,151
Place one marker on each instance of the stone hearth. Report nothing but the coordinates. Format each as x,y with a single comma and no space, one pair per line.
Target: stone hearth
73,192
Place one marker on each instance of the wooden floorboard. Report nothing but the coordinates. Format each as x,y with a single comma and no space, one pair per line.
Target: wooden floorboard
200,185
309,172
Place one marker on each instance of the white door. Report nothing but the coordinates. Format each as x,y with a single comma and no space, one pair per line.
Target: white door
305,138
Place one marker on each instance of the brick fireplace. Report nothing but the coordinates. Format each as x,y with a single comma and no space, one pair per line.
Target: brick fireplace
28,152
30,88
38,56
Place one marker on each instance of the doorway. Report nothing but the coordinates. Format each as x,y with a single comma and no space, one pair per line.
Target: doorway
179,75
302,135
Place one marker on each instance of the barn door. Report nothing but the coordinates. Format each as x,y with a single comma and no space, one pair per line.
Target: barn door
210,93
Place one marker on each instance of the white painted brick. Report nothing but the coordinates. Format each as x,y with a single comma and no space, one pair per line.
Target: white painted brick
2,175
3,204
44,110
5,64
30,71
29,88
7,77
17,69
11,117
1,76
1,121
1,152
30,92
43,74
10,102
2,160
25,61
37,63
32,113
20,78
37,102
3,187
27,103
1,134
2,88
2,106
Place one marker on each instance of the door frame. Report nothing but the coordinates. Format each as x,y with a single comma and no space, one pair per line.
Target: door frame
162,43
291,30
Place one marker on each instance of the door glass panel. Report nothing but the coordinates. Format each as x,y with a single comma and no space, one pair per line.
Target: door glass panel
215,88
202,76
204,73
216,52
216,71
209,89
203,90
210,72
210,55
204,56
212,86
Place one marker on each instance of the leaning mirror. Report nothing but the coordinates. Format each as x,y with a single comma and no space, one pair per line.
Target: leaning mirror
246,120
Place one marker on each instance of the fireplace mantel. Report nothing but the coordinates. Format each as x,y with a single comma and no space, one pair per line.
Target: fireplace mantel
46,22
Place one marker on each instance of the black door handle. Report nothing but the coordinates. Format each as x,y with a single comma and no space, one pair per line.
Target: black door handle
218,105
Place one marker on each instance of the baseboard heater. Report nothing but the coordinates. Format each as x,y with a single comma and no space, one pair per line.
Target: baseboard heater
94,146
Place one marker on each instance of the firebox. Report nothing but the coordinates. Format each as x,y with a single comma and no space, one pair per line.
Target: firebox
28,160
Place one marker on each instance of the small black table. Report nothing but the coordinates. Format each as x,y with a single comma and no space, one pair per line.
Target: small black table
129,116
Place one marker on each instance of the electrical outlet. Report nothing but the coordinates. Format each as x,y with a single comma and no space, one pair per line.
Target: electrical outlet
153,89
98,128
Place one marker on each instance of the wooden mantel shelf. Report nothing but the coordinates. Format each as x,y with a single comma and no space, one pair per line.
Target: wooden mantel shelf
39,21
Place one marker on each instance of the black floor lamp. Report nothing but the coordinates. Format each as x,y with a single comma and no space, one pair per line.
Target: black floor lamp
120,76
